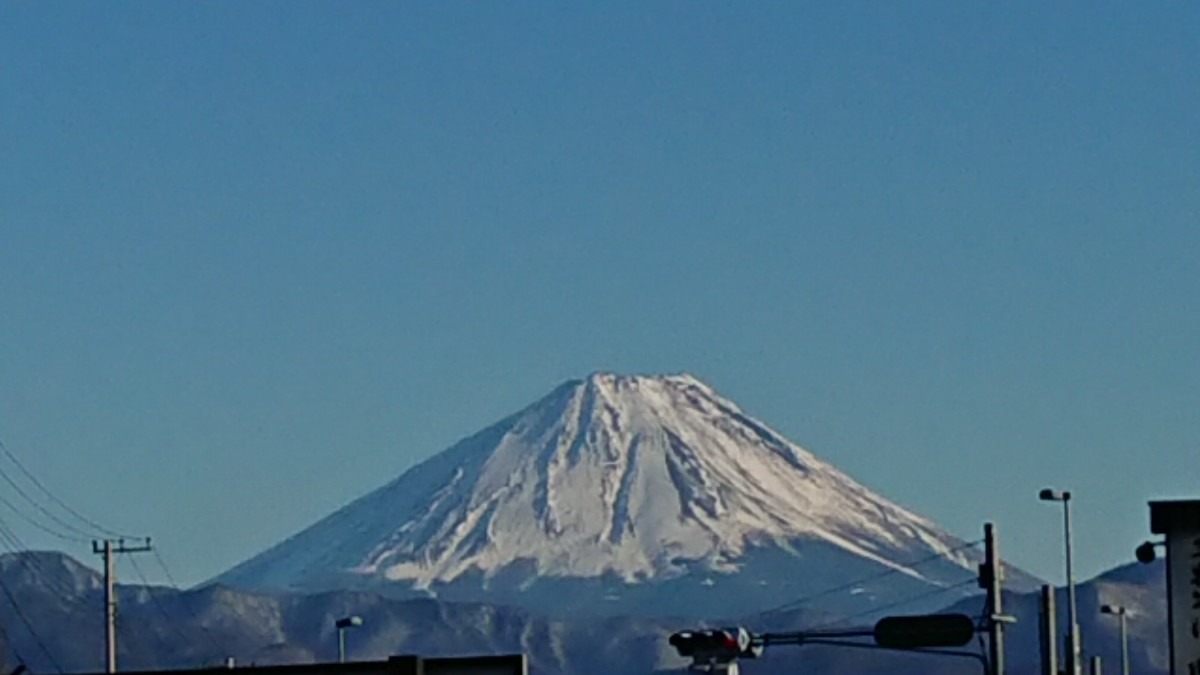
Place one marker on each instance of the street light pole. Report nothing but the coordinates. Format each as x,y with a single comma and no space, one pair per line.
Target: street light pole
1076,655
1124,646
341,625
1048,495
1120,612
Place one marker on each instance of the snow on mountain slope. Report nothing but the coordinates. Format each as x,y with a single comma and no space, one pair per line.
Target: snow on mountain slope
617,489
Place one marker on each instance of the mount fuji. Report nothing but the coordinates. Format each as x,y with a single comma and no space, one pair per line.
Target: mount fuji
647,495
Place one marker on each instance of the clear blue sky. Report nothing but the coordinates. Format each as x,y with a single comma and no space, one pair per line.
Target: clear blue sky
259,258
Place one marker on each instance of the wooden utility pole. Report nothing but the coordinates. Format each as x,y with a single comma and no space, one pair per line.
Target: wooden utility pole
106,549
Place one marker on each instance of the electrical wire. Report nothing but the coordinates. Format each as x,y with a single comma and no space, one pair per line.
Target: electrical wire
41,509
29,626
11,542
898,603
794,604
32,521
154,599
6,533
212,640
54,498
12,646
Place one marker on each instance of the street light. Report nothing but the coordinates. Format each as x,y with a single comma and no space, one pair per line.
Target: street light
1120,612
1145,551
341,625
1048,495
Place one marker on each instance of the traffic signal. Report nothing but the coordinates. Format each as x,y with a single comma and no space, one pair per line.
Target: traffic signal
927,630
718,645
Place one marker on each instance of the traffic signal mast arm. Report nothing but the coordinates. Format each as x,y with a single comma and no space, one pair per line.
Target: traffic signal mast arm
719,650
716,650
810,637
842,642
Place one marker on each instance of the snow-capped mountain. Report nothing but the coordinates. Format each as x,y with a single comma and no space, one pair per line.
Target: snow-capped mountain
620,494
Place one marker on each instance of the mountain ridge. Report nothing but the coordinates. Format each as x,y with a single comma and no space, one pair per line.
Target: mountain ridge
202,627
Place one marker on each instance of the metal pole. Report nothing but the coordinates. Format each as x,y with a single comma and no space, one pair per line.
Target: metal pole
1075,655
995,589
1097,666
1124,644
341,645
1049,632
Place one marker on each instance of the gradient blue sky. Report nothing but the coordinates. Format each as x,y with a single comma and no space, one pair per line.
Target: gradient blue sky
259,258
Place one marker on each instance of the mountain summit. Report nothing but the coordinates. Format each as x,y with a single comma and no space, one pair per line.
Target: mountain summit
622,494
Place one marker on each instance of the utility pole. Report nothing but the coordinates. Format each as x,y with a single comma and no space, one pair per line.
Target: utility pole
106,549
991,578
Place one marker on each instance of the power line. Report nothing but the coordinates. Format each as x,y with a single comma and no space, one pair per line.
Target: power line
191,610
29,561
32,521
41,509
29,626
8,642
793,604
163,564
154,598
899,603
54,498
